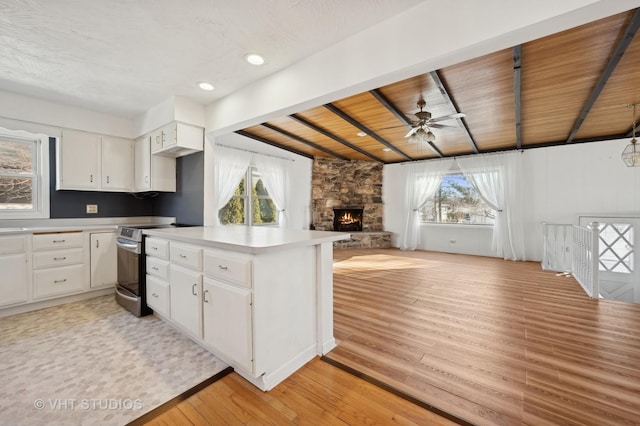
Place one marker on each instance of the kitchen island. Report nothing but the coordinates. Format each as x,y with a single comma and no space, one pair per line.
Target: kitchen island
259,298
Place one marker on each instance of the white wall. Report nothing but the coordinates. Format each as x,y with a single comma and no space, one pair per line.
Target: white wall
560,183
299,178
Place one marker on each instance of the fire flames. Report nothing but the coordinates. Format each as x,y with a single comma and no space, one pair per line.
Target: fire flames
347,219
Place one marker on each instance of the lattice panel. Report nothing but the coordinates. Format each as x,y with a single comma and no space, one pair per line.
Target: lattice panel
616,247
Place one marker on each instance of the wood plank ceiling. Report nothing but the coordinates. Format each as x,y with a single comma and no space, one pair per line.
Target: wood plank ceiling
570,87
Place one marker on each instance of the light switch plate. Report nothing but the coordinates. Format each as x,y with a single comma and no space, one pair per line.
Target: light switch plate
92,208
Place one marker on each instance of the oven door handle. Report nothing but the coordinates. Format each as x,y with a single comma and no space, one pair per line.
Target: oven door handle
128,246
133,299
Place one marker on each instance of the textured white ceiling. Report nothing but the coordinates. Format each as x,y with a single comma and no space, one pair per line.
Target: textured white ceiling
125,56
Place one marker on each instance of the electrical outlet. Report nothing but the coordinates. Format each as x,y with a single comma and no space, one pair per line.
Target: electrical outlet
92,208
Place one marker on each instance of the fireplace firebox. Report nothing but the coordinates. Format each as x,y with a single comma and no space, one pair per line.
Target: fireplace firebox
346,220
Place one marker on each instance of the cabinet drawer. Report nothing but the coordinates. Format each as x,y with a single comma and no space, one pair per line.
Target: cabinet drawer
57,240
158,297
52,258
158,268
157,248
57,281
186,255
15,244
229,268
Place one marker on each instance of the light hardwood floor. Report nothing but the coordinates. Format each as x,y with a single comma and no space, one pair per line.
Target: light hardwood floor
317,394
490,341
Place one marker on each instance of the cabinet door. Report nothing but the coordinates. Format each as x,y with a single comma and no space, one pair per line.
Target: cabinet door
227,322
13,280
185,295
104,259
142,164
157,138
117,164
78,158
170,132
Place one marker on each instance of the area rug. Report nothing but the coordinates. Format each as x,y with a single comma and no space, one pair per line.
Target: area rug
93,362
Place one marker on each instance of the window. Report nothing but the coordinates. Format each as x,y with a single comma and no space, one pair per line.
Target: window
456,201
250,206
24,183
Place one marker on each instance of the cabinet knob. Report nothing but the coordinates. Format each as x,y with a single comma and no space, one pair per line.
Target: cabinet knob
59,281
155,268
184,256
154,294
59,258
91,178
59,241
223,268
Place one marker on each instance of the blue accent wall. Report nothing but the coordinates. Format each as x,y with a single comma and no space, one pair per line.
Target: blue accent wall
187,203
72,204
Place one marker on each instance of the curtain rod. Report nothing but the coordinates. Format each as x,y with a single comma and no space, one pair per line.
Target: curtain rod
255,152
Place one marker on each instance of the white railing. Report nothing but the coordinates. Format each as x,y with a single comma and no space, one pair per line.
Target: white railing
557,243
586,257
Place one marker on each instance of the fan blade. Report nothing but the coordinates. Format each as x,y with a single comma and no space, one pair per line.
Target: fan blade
412,131
393,127
448,117
442,126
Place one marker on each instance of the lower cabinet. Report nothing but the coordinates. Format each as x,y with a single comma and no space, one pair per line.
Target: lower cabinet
13,264
104,259
186,299
158,296
57,281
58,266
227,321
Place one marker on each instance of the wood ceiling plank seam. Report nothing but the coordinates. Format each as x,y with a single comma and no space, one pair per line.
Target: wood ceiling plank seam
304,141
517,91
452,103
365,129
272,143
333,136
628,35
400,115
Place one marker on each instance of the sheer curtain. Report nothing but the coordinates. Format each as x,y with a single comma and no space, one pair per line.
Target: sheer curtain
275,175
497,179
230,166
421,180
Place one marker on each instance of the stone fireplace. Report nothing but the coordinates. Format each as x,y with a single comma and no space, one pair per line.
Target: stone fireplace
354,187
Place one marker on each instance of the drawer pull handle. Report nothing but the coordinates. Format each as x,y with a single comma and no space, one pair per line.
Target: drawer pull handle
59,258
183,256
60,281
59,241
155,268
204,296
154,248
154,294
223,268
194,290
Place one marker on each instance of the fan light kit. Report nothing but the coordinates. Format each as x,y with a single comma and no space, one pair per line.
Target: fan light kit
631,155
421,130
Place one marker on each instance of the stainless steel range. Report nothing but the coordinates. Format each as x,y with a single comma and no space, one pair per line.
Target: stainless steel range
131,290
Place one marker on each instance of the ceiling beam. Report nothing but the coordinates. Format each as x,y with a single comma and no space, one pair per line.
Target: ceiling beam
517,91
304,141
400,116
622,46
334,109
335,137
272,143
452,104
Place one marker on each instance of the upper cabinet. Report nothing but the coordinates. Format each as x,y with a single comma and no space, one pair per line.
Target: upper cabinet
152,172
177,139
91,162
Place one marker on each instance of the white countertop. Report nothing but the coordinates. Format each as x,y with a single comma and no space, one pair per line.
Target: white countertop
247,239
13,226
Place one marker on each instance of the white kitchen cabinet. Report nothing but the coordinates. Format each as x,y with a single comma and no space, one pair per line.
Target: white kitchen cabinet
92,162
227,322
14,267
186,299
158,295
177,139
78,157
152,172
117,164
104,259
58,266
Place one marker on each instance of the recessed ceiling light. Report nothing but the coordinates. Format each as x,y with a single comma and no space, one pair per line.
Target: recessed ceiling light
386,149
361,134
254,59
205,86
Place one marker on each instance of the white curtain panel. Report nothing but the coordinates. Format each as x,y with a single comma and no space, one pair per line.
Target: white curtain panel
230,166
275,175
497,179
421,180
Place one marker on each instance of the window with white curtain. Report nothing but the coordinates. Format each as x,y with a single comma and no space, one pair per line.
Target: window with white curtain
250,204
24,183
457,201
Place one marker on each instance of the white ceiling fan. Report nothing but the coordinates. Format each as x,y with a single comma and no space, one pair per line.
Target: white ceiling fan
421,129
